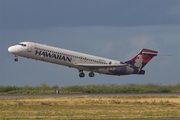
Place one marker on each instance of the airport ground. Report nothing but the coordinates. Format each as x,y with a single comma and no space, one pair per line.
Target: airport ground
90,106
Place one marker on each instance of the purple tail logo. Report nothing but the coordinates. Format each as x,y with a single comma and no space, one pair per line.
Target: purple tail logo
142,58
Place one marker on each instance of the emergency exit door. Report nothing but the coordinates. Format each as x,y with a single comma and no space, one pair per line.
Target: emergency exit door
29,47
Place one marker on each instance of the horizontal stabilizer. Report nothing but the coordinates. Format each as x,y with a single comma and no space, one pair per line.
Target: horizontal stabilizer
156,53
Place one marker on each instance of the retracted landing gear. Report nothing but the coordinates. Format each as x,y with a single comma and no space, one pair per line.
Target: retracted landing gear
91,74
81,74
16,59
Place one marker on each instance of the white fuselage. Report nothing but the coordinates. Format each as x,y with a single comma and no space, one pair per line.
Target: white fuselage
60,56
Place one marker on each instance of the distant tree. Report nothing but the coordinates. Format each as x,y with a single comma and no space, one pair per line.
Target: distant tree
44,86
55,87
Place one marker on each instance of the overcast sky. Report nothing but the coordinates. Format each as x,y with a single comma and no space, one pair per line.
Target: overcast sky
115,29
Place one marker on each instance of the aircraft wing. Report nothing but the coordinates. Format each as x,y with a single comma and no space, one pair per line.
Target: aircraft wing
100,66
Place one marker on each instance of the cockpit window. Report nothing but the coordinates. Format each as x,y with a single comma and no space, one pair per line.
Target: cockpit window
23,45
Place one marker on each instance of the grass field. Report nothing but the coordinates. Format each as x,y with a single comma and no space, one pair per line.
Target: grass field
110,88
90,107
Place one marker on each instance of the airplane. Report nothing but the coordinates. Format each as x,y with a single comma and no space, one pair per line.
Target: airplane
83,62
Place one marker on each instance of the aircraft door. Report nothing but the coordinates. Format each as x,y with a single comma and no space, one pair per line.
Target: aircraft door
29,47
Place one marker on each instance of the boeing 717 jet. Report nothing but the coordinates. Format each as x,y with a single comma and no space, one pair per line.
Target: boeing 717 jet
81,61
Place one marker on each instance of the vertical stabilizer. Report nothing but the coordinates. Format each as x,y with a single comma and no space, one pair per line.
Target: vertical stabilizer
142,58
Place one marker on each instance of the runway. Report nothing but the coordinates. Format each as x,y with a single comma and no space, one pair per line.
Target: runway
84,94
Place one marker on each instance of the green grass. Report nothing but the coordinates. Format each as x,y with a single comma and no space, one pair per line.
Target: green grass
112,88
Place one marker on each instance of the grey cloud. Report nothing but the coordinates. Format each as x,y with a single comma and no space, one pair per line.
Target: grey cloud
56,13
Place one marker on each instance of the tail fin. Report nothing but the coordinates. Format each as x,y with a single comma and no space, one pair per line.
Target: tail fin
142,58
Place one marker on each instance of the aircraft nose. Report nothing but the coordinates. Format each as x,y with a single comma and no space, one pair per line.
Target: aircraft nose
13,49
